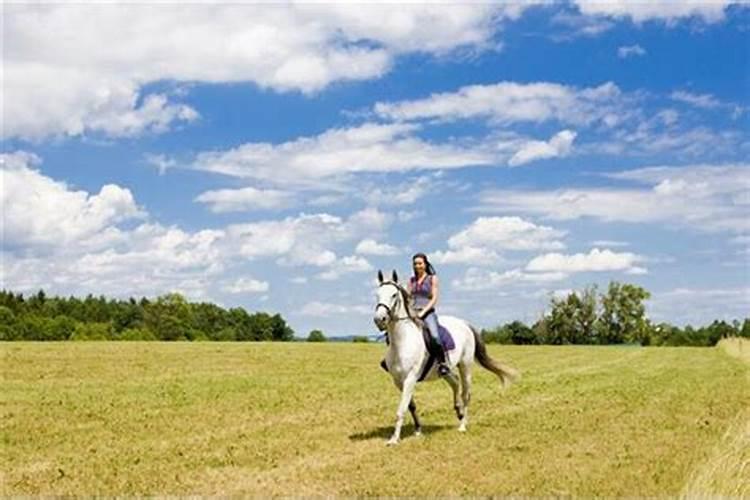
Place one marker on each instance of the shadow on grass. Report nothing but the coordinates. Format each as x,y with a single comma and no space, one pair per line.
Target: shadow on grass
406,431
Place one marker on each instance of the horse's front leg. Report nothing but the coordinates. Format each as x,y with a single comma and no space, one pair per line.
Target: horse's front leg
407,392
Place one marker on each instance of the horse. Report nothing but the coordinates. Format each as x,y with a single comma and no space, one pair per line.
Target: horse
407,354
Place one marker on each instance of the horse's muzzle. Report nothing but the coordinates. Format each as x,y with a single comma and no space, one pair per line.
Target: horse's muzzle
381,323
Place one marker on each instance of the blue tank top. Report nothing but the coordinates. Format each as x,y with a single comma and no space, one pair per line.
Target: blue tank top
421,292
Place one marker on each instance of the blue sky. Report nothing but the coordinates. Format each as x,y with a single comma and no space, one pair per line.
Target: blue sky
276,156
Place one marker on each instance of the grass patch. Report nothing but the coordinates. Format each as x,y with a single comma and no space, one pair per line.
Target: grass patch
281,419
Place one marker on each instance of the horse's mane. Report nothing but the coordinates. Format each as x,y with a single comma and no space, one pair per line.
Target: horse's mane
406,297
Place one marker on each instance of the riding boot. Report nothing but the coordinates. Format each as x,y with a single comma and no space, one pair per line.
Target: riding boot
443,367
384,365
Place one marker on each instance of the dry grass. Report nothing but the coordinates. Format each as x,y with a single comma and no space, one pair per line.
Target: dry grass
260,419
737,347
727,471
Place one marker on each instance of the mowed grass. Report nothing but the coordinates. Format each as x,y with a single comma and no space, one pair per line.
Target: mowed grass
280,419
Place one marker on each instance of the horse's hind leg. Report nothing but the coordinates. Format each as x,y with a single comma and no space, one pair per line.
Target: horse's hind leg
463,416
417,423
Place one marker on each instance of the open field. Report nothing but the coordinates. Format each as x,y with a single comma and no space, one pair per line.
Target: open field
252,418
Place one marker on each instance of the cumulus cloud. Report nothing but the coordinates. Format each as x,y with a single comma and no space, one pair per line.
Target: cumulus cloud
626,51
147,260
476,279
39,211
71,69
245,199
705,101
372,247
595,261
486,238
305,240
668,11
366,148
344,266
559,145
247,285
704,197
327,309
507,233
510,102
699,306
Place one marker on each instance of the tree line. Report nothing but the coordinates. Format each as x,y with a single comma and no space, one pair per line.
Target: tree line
617,316
168,317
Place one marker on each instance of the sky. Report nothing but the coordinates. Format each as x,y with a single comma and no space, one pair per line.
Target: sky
276,156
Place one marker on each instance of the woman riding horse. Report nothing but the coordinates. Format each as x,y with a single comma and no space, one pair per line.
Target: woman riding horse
424,288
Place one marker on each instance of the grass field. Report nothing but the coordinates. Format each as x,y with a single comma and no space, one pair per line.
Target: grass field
208,418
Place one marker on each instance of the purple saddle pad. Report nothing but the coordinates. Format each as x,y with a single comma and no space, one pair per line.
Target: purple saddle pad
445,338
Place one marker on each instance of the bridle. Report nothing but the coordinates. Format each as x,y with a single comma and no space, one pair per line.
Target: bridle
388,308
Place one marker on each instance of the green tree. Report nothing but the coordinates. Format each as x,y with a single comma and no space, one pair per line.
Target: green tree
316,336
280,331
623,317
8,330
92,331
745,330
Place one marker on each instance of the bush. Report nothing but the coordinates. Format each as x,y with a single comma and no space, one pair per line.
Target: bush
227,334
360,338
137,334
92,331
316,336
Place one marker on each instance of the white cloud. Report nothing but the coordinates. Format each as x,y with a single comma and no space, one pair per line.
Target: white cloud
247,285
466,255
305,239
344,266
476,279
507,233
71,69
610,243
406,193
148,260
581,25
668,11
245,199
509,102
651,137
39,211
705,197
559,145
705,101
409,215
161,162
372,247
325,309
595,261
626,51
367,148
699,306
486,238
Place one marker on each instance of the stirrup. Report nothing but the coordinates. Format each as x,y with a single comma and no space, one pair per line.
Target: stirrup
444,369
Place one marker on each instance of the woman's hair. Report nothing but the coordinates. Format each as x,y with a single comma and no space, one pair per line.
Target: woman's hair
428,266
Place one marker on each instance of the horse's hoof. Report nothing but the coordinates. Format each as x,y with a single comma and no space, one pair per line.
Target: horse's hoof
392,442
418,433
462,428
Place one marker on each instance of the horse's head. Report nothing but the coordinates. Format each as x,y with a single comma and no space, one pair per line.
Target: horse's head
390,296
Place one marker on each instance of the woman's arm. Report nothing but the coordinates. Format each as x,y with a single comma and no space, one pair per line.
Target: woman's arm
433,296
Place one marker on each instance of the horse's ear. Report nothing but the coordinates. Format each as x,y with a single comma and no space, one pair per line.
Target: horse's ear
395,276
380,276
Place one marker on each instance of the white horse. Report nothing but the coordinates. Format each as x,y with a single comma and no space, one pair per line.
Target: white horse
407,355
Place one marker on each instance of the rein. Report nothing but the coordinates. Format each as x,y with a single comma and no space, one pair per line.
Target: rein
403,294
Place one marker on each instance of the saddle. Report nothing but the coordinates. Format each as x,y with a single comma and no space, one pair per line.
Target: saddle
433,348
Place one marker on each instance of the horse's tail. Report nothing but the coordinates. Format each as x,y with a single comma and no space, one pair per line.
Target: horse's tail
506,373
